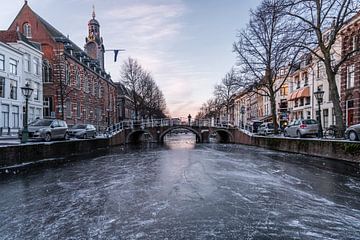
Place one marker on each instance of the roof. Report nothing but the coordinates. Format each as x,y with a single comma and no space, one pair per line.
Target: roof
14,36
121,89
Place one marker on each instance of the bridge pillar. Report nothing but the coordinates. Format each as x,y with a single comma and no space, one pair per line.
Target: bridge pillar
205,136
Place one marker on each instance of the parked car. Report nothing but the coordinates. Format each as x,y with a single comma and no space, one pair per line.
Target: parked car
353,132
47,129
266,128
82,131
253,126
302,127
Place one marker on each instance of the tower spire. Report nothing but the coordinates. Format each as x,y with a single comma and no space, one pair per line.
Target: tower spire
93,13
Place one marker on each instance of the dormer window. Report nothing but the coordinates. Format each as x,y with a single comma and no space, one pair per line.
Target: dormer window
27,30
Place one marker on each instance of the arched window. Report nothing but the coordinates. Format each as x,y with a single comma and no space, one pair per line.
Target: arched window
47,72
67,74
27,30
78,80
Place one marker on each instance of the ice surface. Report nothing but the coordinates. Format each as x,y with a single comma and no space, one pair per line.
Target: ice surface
184,191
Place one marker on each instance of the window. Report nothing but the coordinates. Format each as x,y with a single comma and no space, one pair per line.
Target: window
305,79
15,116
99,90
86,84
318,70
27,30
2,87
2,62
47,106
350,76
36,91
284,90
27,65
78,80
355,43
67,75
95,86
31,114
13,66
13,89
5,115
326,117
68,108
36,64
47,72
78,110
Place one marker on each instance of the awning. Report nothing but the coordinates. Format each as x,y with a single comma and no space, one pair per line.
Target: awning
301,93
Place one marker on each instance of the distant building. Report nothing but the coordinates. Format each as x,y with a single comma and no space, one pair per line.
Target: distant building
124,103
20,63
76,86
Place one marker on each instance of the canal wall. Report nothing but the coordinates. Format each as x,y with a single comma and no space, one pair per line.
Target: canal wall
32,153
339,150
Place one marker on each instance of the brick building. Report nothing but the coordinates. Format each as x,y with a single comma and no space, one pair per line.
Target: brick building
75,84
350,72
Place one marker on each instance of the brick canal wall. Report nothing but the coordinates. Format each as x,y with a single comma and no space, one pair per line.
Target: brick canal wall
31,153
339,150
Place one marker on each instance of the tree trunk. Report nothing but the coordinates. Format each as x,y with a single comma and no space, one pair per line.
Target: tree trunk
273,112
335,98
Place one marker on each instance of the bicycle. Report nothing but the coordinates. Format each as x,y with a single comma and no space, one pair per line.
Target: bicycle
330,132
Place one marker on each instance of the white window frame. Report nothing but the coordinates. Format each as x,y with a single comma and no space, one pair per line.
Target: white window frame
27,62
13,64
350,81
27,30
2,62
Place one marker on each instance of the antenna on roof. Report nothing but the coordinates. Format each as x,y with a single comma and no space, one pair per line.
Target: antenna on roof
26,2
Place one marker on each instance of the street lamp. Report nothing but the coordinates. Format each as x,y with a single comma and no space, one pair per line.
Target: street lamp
319,97
242,110
189,119
26,91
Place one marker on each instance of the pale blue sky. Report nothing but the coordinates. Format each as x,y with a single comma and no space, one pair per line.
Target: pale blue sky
186,44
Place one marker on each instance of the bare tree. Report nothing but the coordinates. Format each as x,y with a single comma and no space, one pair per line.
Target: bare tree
132,75
148,99
265,48
227,89
324,20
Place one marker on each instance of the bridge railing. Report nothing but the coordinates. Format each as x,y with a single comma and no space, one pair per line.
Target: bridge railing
164,122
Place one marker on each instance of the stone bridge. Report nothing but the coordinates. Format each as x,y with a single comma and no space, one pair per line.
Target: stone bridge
156,130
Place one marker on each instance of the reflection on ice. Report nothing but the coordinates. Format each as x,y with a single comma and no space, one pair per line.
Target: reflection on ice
185,191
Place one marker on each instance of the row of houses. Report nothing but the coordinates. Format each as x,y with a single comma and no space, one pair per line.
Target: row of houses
69,82
296,97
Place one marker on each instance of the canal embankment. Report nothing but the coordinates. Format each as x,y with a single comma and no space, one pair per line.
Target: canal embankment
333,149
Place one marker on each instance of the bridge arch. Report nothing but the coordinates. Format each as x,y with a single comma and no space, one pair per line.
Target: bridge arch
135,135
197,134
224,135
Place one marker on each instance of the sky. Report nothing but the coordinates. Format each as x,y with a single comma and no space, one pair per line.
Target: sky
185,44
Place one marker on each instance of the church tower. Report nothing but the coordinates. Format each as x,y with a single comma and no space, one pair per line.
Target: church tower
94,46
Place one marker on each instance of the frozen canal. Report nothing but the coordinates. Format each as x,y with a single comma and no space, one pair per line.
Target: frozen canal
184,191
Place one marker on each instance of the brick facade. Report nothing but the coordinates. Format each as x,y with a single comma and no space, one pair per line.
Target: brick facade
350,73
89,94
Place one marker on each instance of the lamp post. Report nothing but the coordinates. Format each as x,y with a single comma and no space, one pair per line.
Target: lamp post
319,97
26,91
189,119
242,109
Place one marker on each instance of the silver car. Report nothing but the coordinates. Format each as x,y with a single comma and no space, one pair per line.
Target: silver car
353,132
266,128
83,131
47,129
302,127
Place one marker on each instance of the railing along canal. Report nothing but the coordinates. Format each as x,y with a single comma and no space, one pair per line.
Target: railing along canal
164,122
